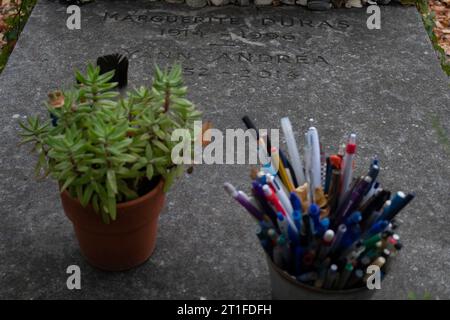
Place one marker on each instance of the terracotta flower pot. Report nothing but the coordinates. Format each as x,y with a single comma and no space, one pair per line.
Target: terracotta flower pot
124,243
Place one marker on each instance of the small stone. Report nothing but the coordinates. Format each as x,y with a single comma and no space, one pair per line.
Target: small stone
219,3
263,2
302,2
319,5
353,4
16,116
196,3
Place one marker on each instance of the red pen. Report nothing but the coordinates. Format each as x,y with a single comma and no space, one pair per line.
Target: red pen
273,199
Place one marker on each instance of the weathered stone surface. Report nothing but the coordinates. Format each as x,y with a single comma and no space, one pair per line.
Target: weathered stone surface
323,68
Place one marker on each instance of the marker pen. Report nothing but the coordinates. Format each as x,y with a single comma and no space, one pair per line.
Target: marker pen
395,203
399,201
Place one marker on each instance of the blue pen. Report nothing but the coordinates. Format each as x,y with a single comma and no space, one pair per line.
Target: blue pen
296,216
293,237
351,236
283,224
376,228
403,203
354,218
325,223
314,213
262,177
296,202
373,173
298,256
268,168
396,202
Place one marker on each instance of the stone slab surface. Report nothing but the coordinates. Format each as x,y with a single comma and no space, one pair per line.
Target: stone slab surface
324,69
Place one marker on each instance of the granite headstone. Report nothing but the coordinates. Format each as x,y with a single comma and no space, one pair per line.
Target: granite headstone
325,69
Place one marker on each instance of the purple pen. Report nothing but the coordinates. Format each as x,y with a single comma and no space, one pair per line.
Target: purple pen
347,207
243,199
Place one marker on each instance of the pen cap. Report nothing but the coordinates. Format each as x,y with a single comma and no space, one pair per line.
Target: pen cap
295,201
230,189
272,234
325,222
267,190
314,210
355,217
378,227
380,261
351,145
281,241
328,236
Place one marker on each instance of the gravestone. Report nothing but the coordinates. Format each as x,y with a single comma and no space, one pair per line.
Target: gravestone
319,68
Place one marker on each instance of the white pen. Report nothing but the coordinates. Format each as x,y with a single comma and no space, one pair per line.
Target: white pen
284,199
313,141
347,165
294,155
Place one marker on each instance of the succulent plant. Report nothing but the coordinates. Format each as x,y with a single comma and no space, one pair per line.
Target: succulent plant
104,149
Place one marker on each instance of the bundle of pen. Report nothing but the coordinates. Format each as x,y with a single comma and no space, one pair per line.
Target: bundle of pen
318,221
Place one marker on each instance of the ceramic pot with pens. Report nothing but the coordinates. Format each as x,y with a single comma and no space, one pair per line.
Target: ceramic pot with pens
327,234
